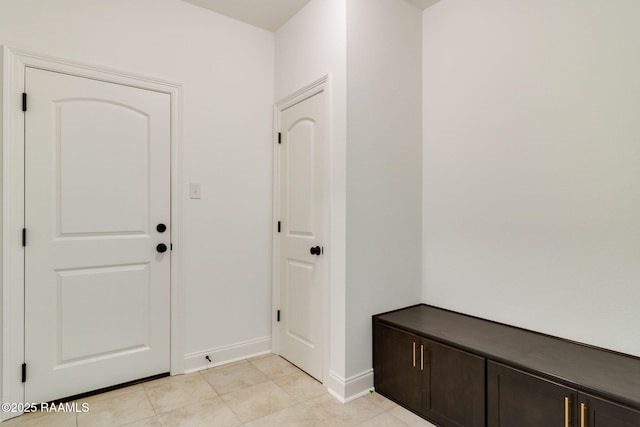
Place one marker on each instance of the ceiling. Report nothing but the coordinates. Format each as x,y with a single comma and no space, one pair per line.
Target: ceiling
268,14
422,4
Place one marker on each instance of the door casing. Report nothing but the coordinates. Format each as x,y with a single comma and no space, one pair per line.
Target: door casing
320,85
12,65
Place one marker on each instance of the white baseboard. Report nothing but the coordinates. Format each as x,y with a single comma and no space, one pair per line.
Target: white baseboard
346,390
222,355
335,386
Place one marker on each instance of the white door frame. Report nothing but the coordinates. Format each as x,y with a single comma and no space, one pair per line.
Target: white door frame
12,66
318,86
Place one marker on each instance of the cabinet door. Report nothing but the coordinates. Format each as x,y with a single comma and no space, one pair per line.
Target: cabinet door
516,398
457,388
596,412
397,372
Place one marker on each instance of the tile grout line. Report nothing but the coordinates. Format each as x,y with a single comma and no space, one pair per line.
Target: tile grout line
155,411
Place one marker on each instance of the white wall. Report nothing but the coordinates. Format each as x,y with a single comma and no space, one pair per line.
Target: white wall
371,50
384,181
531,165
310,45
227,71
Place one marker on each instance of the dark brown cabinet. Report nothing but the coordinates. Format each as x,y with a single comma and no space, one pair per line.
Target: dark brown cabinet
457,386
441,383
596,412
515,398
399,371
461,371
523,399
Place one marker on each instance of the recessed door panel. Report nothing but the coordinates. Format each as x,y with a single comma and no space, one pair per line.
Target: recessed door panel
113,142
300,276
300,179
92,315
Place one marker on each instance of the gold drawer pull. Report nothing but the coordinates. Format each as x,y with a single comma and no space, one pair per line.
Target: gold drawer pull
421,357
583,414
566,412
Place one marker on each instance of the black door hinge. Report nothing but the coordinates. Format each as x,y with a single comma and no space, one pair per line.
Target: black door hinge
24,237
278,226
279,136
24,101
278,315
24,372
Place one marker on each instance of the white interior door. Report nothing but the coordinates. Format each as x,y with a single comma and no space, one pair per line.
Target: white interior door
97,184
302,213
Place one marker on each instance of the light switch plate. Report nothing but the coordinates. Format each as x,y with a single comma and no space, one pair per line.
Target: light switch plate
195,190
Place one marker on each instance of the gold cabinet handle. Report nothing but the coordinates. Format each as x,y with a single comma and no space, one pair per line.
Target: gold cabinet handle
421,357
414,354
583,414
566,412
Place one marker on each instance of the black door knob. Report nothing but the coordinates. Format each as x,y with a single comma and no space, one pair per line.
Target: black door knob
161,248
316,250
161,228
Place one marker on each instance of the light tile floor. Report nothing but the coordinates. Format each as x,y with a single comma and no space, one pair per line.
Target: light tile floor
263,391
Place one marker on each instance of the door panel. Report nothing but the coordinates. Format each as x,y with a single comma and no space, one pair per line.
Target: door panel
87,297
400,370
300,179
97,182
516,398
302,217
457,390
299,302
602,413
85,206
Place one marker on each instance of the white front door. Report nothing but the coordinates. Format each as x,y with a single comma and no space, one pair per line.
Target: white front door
302,234
97,186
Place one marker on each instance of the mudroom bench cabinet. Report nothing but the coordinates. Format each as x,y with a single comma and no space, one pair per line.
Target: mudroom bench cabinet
458,370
